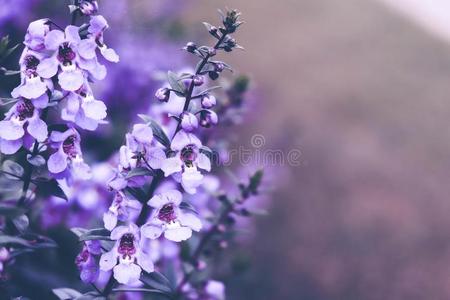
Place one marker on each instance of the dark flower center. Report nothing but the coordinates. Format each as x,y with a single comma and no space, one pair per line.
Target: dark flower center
25,109
66,54
167,213
189,154
69,146
31,63
126,246
82,257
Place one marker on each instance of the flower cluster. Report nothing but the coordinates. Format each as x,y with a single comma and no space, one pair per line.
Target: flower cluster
56,68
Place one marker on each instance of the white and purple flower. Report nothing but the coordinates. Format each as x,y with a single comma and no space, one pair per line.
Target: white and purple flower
32,85
66,61
68,155
82,109
36,33
20,122
87,47
186,162
122,207
168,218
127,258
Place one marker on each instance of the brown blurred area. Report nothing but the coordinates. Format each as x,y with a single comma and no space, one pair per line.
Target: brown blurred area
364,93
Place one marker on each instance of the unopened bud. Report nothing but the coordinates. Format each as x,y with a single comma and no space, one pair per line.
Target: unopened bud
162,94
190,47
208,101
198,80
189,121
208,118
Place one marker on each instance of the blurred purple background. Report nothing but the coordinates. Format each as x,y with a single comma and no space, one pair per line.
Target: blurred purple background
363,90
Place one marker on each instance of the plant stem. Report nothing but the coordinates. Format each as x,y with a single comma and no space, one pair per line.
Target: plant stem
197,72
201,246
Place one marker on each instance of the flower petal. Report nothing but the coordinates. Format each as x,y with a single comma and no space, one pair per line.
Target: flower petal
33,88
142,133
145,261
86,48
109,220
127,273
203,162
57,162
171,165
37,128
11,131
48,67
53,39
108,260
109,54
10,147
191,221
178,234
151,231
94,109
183,139
71,80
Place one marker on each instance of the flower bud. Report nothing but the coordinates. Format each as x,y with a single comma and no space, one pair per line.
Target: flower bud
189,121
212,51
190,47
208,101
198,80
219,67
213,31
88,7
213,75
162,94
208,118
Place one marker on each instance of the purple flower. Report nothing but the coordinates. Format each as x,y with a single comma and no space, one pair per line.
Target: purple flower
168,218
66,58
139,151
82,109
88,7
162,94
121,206
188,158
36,33
189,121
127,258
87,47
32,85
86,262
22,119
68,154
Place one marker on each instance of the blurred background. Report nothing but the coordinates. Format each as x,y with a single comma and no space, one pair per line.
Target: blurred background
361,88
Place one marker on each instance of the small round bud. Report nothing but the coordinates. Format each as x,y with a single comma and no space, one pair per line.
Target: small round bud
189,121
4,254
198,80
219,67
88,7
213,30
191,47
208,101
162,94
227,48
208,118
212,51
213,75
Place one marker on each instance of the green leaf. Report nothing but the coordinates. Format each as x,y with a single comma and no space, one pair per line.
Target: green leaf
46,187
187,206
157,281
96,234
211,89
141,171
66,293
13,168
175,83
78,231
